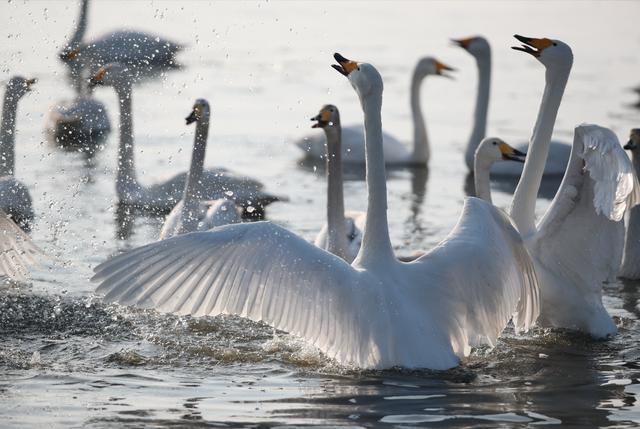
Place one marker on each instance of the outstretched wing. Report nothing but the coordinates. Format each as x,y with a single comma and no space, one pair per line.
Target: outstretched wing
17,251
580,234
256,270
485,269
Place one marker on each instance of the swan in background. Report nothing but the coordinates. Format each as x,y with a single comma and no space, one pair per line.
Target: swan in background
191,213
17,252
342,234
630,268
377,312
395,152
15,199
160,198
577,245
490,151
559,152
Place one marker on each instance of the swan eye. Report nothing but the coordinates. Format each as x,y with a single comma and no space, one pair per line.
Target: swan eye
495,143
555,44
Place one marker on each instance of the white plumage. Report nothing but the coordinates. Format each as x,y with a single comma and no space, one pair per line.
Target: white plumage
17,252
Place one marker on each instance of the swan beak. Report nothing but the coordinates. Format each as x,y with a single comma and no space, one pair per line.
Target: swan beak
30,82
511,154
631,145
463,43
532,45
70,55
441,68
344,66
96,79
191,118
323,119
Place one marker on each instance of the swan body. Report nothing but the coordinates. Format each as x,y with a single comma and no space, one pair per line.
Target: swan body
375,313
162,197
577,245
17,252
15,199
342,234
78,124
191,213
395,152
630,267
559,152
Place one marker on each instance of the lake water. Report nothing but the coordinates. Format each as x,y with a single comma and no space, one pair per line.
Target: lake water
68,360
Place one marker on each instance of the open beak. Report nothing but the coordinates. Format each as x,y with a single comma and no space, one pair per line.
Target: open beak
511,154
31,82
191,118
463,43
322,120
532,45
344,66
442,68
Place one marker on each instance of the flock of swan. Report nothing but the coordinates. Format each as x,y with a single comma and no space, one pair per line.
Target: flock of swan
348,293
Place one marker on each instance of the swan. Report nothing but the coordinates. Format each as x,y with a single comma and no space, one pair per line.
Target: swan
630,268
490,151
215,183
577,244
375,313
191,213
559,152
15,199
395,152
342,234
80,123
17,252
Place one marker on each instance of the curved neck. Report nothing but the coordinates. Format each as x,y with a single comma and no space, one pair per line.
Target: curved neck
481,173
524,200
482,107
421,151
337,234
126,174
376,246
7,134
192,190
81,25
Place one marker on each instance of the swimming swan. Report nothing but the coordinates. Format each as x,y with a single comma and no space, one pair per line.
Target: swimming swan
559,152
192,213
395,152
377,312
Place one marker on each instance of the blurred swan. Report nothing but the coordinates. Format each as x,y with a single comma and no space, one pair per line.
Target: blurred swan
215,183
490,151
395,152
630,267
17,252
577,245
342,234
15,199
377,312
192,213
559,152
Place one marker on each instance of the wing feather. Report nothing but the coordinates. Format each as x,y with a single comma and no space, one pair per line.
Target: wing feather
17,252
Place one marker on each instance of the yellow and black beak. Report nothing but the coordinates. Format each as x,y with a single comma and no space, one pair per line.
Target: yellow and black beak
30,82
70,54
96,79
631,145
511,154
344,66
531,45
191,118
463,43
441,68
322,119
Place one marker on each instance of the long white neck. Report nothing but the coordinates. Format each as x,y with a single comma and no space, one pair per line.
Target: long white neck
482,107
126,181
192,190
376,247
482,184
337,233
523,205
7,134
421,152
81,26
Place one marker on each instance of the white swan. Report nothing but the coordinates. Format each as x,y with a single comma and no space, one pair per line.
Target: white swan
15,199
490,151
559,152
191,213
377,312
395,152
342,234
577,245
630,268
215,183
17,252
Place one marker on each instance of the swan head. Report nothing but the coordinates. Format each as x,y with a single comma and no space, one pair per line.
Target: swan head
199,111
364,77
477,46
112,74
328,117
493,149
549,52
430,66
18,86
70,54
634,140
